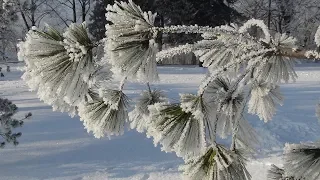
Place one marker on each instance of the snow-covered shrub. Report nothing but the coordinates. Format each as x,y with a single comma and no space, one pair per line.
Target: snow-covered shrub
243,71
8,123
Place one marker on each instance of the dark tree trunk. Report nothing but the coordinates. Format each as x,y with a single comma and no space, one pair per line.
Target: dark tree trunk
74,10
269,15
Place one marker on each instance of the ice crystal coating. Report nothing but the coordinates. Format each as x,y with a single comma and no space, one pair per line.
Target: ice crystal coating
105,115
130,41
264,97
217,163
222,90
317,37
139,116
302,160
203,109
275,173
229,103
278,68
176,130
284,41
312,54
58,75
252,59
246,138
259,23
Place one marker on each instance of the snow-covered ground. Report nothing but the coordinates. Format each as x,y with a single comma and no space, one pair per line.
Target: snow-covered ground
56,146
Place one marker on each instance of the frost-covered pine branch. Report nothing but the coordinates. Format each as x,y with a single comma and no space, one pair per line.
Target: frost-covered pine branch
176,130
105,113
203,109
263,100
8,123
130,43
139,116
58,66
217,163
244,70
276,173
302,160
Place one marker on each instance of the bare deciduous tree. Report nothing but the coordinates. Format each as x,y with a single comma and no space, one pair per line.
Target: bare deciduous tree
296,17
32,11
85,8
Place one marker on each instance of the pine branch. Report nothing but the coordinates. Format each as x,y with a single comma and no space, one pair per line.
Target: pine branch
62,69
217,163
276,173
203,109
59,67
130,42
105,114
264,97
302,160
139,116
176,130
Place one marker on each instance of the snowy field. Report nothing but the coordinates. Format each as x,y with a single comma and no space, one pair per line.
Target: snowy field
55,146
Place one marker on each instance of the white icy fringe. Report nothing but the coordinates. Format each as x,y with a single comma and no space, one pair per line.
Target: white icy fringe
220,93
285,41
171,52
264,97
228,104
130,41
252,59
259,23
76,42
302,160
276,173
317,37
139,116
176,130
218,47
229,53
61,81
312,54
217,163
223,92
106,115
277,68
203,110
193,104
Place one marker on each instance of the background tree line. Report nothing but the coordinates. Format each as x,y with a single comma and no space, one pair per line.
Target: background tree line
296,17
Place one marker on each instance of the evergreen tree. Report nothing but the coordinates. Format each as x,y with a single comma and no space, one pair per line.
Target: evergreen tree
243,70
7,123
8,17
97,25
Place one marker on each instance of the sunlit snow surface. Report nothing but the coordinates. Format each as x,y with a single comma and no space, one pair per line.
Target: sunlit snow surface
56,146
